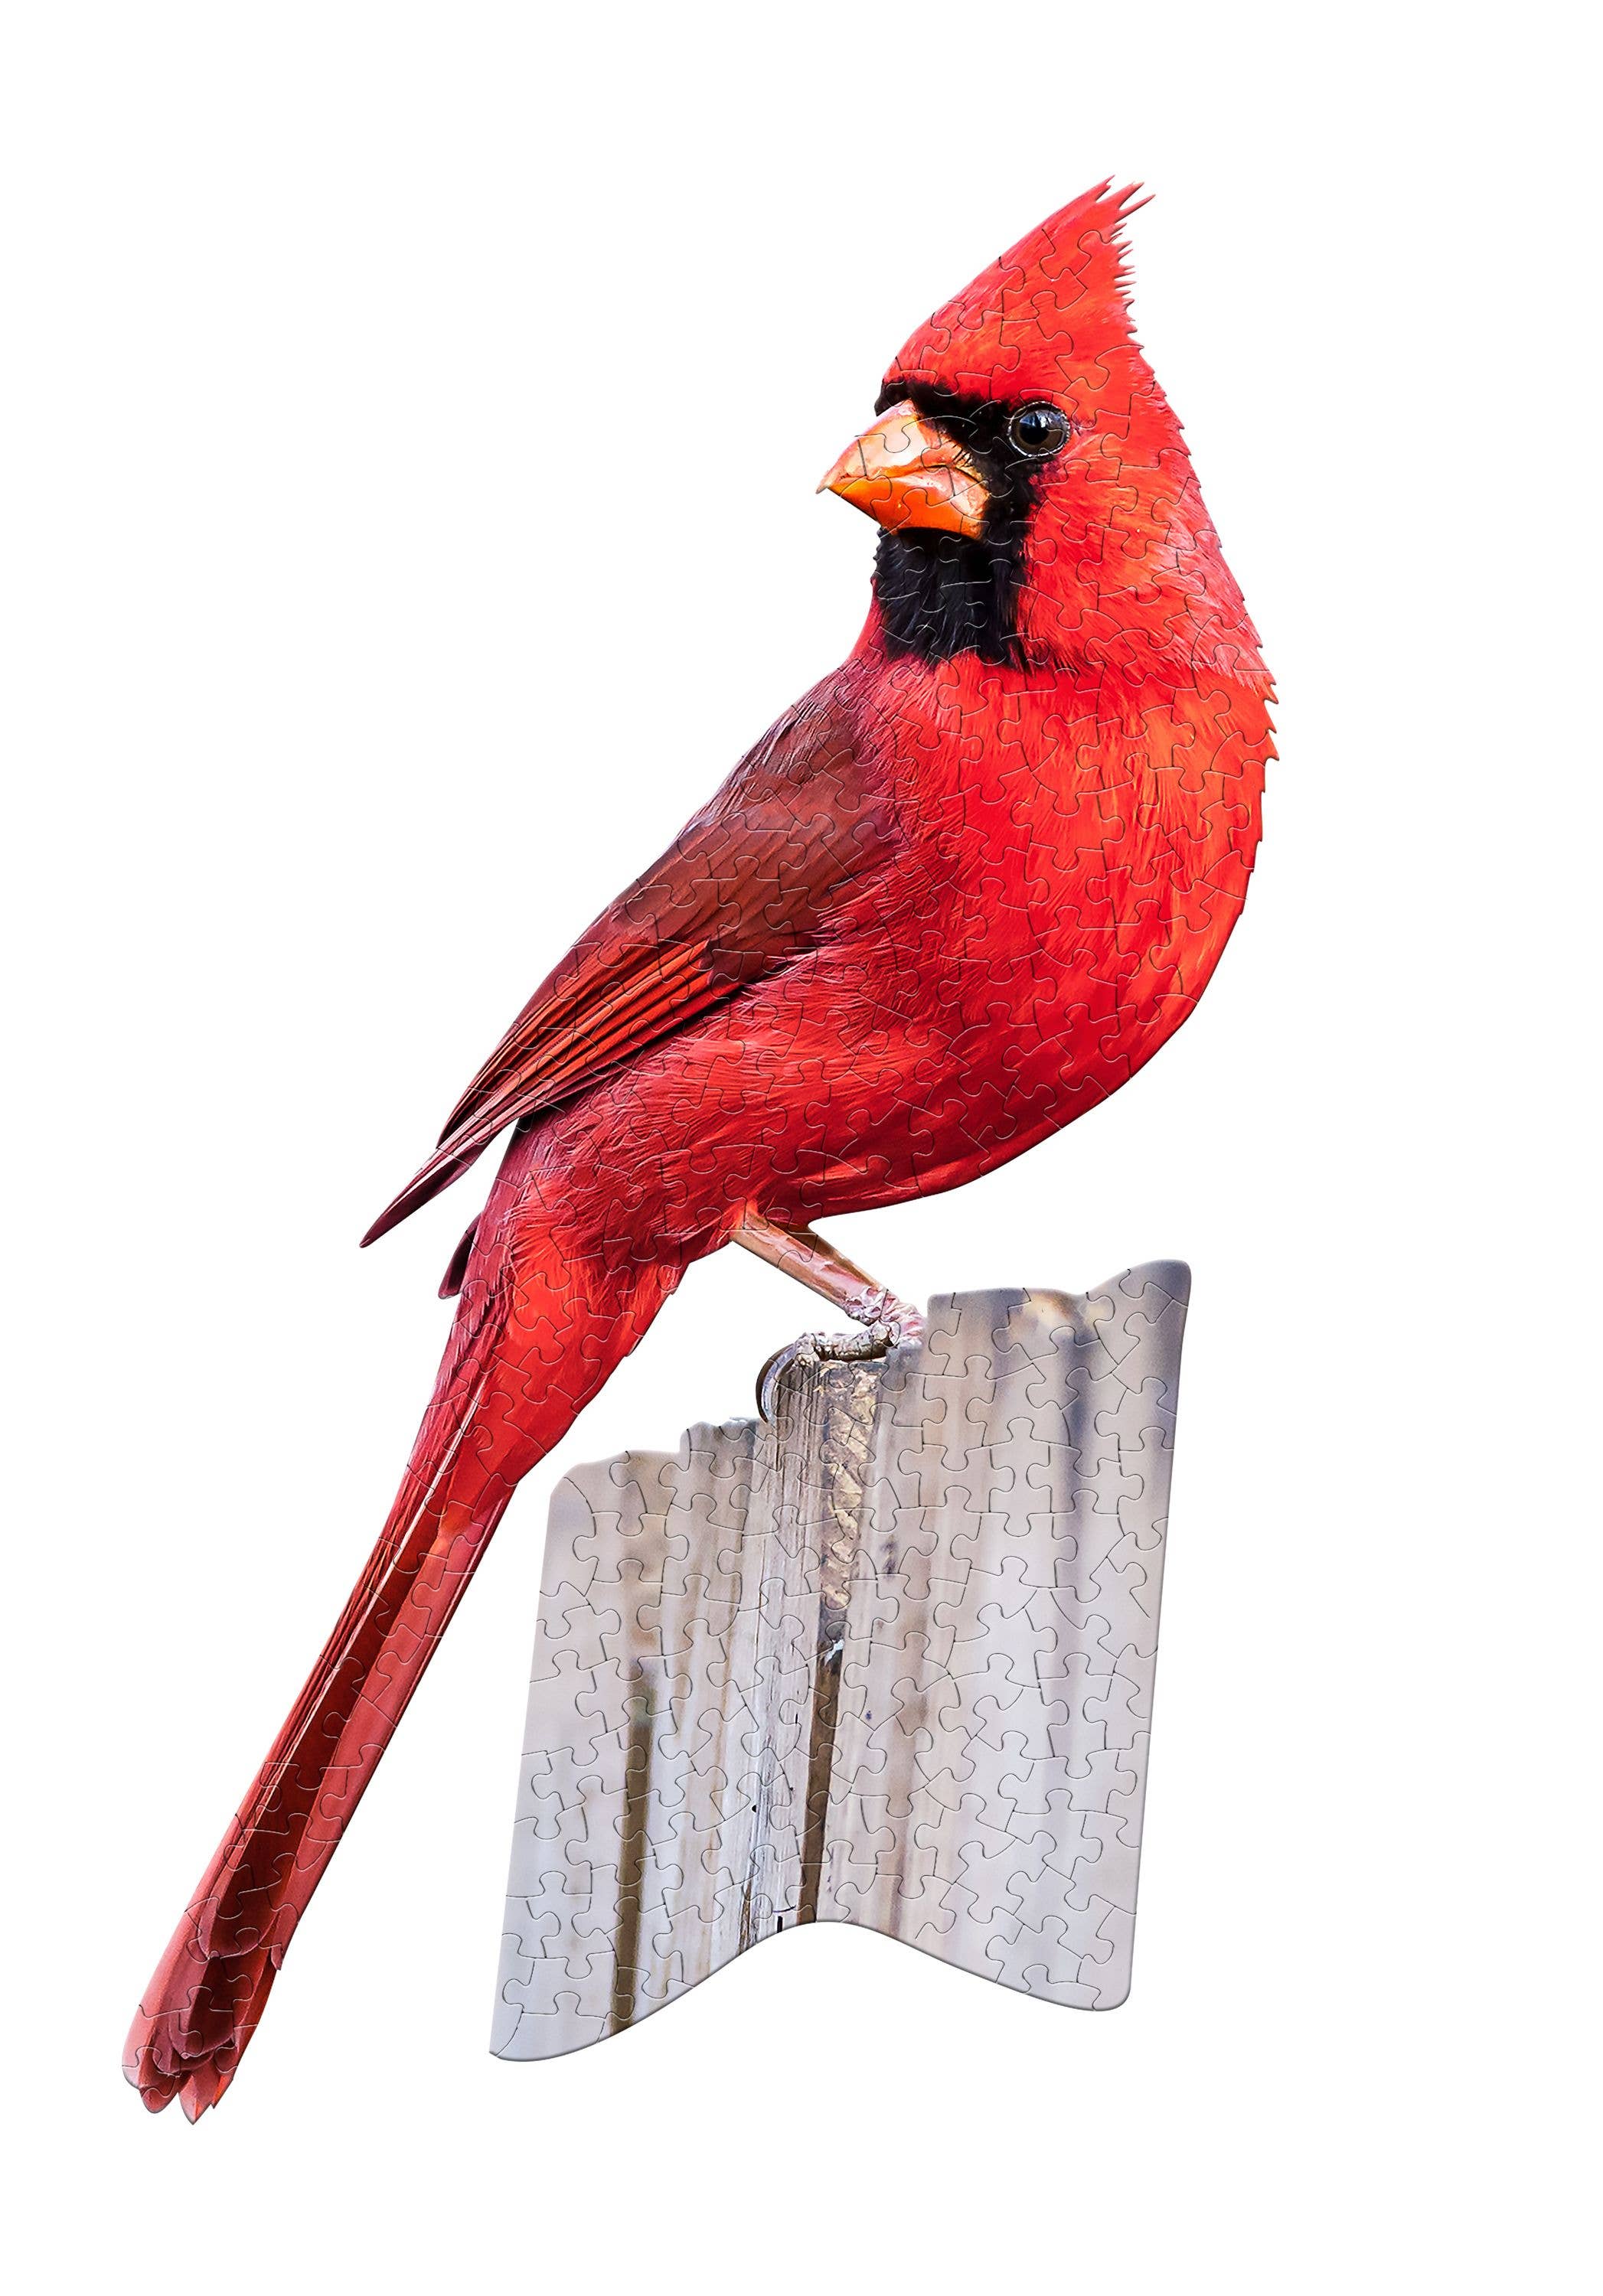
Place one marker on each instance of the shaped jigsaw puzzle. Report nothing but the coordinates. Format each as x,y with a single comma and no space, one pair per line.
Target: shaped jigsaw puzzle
887,1660
955,896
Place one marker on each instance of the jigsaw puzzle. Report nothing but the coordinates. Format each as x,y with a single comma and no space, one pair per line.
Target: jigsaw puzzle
887,1658
953,898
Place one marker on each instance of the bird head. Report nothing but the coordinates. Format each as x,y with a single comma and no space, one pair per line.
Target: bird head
1039,506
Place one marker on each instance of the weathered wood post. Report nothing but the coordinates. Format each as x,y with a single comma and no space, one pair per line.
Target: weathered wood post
888,1661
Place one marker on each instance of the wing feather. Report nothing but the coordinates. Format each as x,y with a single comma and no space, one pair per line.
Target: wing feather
752,881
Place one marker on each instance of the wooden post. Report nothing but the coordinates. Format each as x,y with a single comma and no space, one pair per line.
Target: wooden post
889,1661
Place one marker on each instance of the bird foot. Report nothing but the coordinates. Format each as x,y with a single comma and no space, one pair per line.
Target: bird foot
871,1340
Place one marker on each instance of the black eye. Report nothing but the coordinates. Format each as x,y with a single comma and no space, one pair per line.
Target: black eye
1037,431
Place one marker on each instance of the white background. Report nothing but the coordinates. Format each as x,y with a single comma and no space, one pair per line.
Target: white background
413,420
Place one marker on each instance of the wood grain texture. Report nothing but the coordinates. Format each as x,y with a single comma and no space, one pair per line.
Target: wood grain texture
890,1661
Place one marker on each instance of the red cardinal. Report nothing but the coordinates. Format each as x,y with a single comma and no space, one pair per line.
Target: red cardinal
955,897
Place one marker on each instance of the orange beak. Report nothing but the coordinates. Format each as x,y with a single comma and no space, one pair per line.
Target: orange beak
906,471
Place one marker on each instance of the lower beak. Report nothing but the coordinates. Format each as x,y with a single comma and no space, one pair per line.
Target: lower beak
906,471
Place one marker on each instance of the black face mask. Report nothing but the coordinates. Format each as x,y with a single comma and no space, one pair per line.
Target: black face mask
941,594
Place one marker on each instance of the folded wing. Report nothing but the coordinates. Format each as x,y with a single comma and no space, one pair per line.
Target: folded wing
749,882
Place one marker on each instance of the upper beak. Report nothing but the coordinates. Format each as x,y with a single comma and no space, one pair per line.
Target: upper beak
906,471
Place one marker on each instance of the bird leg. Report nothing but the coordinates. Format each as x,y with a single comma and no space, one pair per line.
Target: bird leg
799,1252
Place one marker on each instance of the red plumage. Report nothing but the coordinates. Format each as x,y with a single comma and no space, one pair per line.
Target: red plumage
951,901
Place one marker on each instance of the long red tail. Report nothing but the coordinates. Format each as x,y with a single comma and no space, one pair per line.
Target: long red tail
528,1351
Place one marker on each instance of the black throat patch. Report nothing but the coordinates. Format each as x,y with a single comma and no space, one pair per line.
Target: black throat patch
941,594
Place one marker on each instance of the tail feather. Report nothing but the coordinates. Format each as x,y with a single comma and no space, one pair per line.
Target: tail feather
519,1370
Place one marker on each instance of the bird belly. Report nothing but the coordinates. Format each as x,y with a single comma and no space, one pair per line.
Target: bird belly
875,1071
1036,940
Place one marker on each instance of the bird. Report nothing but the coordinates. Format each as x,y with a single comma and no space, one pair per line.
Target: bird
952,899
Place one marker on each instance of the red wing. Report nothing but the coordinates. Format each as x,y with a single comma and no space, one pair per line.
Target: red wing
746,885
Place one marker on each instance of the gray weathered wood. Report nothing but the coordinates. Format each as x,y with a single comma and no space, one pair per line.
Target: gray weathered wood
890,1661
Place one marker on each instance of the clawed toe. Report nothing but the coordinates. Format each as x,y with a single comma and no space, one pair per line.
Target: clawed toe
860,1346
810,1349
814,1347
